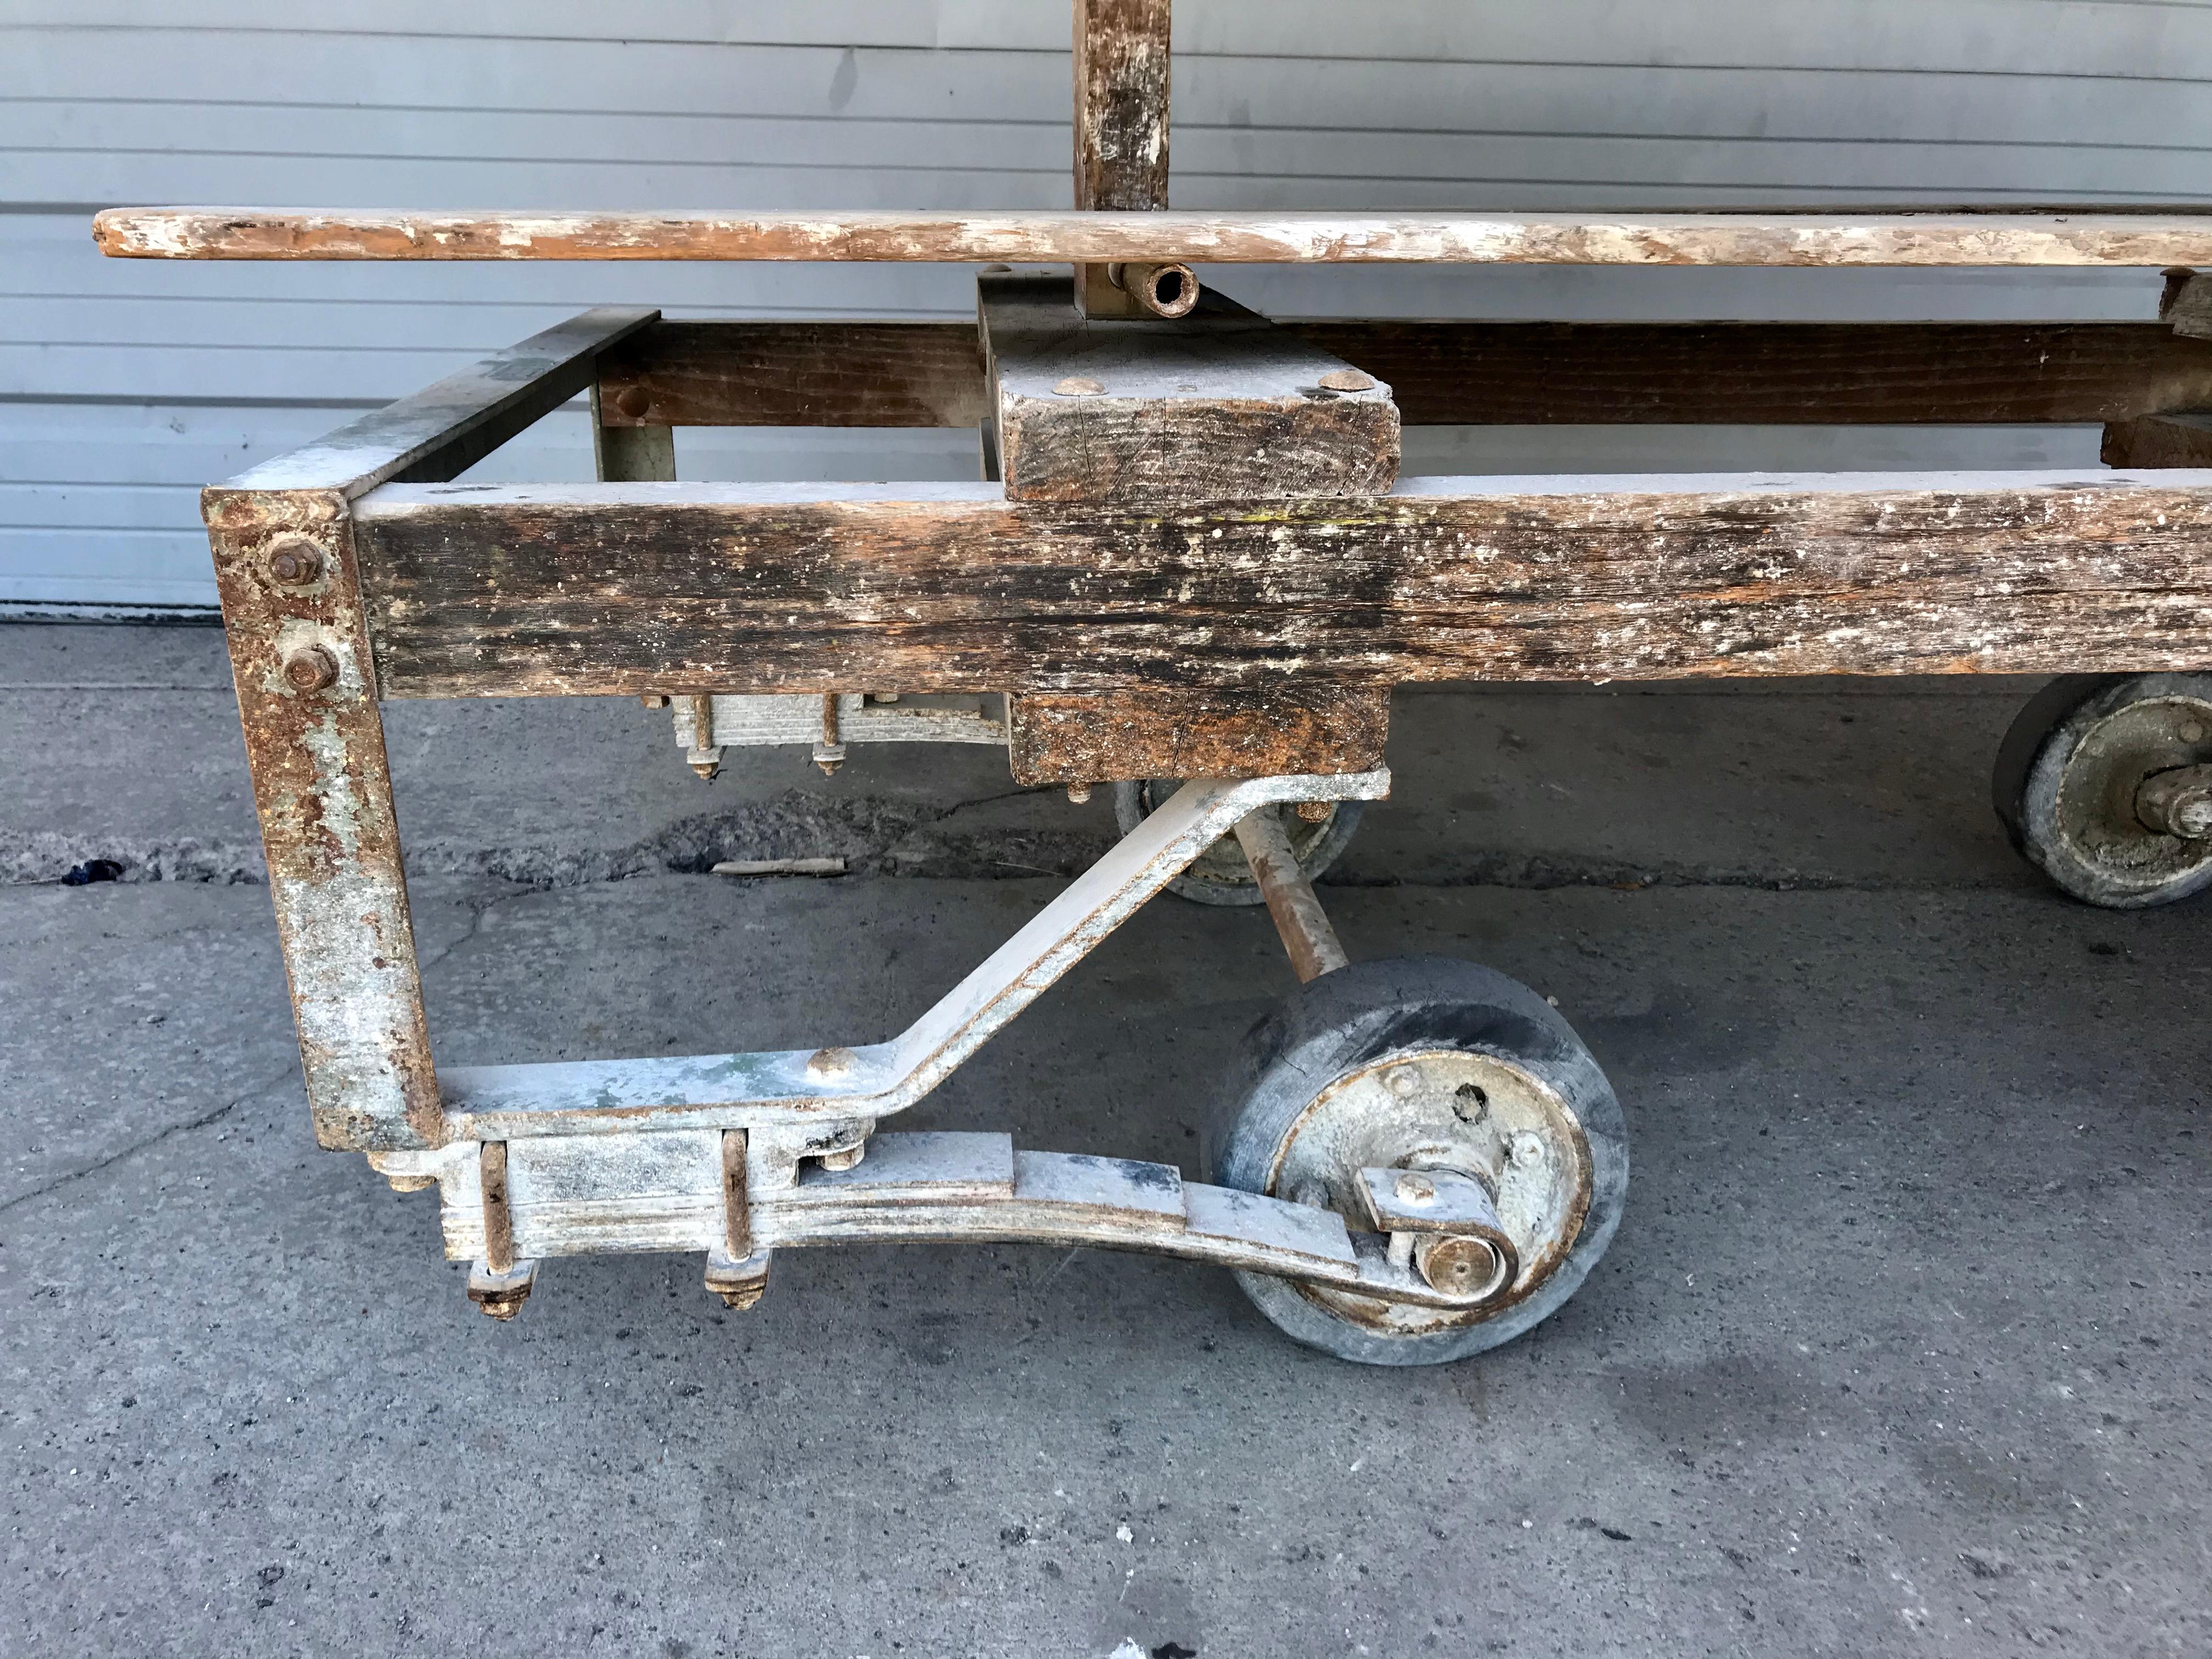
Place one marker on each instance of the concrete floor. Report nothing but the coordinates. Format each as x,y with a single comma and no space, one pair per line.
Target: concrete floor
1901,1348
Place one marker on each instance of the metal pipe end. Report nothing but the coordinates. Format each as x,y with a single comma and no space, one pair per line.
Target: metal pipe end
1169,290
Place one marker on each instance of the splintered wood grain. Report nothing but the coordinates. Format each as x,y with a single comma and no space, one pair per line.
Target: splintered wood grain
1446,373
630,588
1278,729
1122,104
2084,236
1218,406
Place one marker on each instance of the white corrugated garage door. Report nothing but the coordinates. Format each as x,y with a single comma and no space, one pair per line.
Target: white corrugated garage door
125,385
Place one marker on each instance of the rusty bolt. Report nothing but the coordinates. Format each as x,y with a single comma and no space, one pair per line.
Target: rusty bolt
311,668
295,561
1527,1149
1403,1081
1079,792
743,1299
1079,385
1346,380
848,1158
1316,811
1414,1187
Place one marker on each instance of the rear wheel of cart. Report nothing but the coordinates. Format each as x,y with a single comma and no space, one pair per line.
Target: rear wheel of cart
2105,784
1222,874
1428,1063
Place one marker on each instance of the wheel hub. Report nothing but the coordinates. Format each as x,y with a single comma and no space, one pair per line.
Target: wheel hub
2113,805
1442,1109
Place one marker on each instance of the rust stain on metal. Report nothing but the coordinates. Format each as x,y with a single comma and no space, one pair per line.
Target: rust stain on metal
299,659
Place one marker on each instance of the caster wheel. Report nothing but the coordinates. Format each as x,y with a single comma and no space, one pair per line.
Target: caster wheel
1424,1062
2105,784
1221,875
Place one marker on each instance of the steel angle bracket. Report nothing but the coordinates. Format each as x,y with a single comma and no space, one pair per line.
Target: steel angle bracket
739,1154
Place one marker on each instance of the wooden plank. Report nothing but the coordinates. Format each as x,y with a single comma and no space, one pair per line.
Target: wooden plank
1219,404
1773,374
1274,730
2071,236
445,428
1474,374
747,373
625,589
2160,440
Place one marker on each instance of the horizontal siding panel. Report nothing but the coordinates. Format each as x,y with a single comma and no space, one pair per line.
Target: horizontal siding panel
2116,38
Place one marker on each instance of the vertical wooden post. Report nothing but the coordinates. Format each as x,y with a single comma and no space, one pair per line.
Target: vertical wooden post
1120,124
285,566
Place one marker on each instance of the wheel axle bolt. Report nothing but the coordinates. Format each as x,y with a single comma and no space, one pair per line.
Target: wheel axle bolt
1456,1261
311,668
1527,1149
1414,1187
1403,1081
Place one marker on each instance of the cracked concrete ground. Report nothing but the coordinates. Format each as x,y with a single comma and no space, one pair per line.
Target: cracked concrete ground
1901,1347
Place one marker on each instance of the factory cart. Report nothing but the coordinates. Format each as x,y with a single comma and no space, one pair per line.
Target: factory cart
1191,574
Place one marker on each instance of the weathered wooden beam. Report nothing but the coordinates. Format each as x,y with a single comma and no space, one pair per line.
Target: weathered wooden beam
747,373
1121,86
2084,236
611,588
1220,404
446,427
1475,373
1472,374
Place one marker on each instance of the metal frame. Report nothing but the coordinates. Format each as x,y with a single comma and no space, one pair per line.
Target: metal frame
350,572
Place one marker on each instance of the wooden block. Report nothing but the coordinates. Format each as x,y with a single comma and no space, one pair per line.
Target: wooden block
1218,406
2159,440
1449,373
1259,732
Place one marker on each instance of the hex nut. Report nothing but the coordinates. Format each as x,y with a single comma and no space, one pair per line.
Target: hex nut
309,669
295,561
825,1064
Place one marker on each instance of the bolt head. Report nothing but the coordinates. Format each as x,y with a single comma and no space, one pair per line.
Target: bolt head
825,1065
1316,811
311,668
293,561
1414,1187
1346,380
1403,1081
2191,733
1079,385
1079,792
1527,1149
